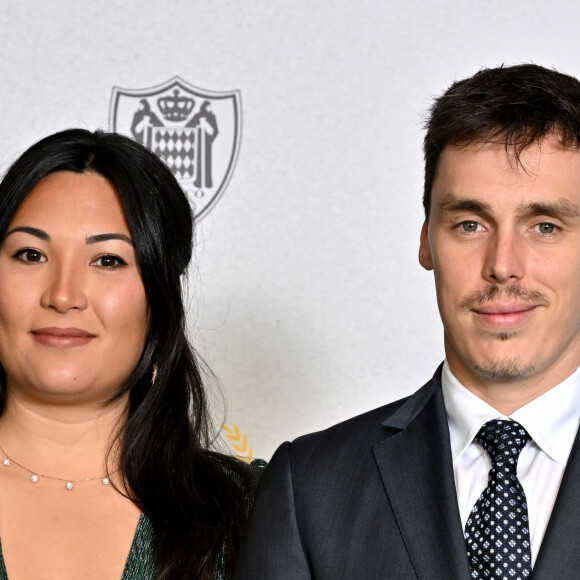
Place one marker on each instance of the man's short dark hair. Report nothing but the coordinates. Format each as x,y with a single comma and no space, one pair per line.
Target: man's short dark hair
512,105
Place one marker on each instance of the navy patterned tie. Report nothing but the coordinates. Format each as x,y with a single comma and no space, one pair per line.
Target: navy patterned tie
497,532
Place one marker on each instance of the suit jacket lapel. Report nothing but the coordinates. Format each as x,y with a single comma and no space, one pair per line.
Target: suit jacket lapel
416,468
559,555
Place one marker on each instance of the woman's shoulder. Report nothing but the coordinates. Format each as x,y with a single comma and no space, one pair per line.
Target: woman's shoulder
245,474
253,467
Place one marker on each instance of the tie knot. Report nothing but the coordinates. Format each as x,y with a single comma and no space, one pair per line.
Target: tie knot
503,440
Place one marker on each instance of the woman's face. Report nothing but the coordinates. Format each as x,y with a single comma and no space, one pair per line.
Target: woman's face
73,310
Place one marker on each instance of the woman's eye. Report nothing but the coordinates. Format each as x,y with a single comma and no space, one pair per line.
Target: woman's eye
469,226
30,256
109,261
546,228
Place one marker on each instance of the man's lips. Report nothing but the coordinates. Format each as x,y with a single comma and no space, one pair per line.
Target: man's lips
62,337
504,315
505,308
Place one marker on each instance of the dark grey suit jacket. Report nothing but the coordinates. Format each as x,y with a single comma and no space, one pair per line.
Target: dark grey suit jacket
374,498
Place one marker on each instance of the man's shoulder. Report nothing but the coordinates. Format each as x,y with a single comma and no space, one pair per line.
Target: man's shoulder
354,428
356,436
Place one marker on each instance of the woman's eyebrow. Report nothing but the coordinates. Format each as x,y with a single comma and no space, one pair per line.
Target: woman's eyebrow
29,230
89,240
105,237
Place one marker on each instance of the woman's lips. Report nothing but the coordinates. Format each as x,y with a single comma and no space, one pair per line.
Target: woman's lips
62,337
504,315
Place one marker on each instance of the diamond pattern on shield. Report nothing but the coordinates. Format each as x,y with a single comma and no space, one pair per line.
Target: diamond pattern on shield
176,145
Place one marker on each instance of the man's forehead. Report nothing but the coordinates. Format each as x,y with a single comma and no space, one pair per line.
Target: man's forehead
548,159
520,154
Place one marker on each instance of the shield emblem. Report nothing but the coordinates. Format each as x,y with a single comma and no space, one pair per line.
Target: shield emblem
196,132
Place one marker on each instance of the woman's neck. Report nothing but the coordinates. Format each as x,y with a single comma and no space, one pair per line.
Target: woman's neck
62,441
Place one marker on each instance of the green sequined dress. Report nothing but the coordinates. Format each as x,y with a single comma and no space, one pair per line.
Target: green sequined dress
140,565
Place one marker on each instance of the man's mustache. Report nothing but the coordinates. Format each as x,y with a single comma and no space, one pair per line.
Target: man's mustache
494,292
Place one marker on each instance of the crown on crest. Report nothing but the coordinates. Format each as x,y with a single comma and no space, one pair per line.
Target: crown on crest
176,107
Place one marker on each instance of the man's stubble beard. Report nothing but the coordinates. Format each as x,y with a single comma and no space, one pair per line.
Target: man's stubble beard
505,371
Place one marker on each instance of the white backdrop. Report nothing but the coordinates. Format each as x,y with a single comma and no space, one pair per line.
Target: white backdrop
307,299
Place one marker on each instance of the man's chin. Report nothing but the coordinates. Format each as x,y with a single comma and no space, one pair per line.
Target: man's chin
504,371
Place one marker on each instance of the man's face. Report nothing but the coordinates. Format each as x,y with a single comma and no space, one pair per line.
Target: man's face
503,240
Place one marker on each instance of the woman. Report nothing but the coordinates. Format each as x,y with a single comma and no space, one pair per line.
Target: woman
104,428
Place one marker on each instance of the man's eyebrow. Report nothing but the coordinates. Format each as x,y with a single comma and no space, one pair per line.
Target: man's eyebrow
452,202
105,237
559,208
29,230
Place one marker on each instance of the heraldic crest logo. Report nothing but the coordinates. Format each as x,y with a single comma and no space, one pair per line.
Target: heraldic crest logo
196,132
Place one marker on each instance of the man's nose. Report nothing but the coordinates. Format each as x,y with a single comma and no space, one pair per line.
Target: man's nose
504,259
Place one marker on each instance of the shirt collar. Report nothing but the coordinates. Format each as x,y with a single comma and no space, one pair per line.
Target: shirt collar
551,419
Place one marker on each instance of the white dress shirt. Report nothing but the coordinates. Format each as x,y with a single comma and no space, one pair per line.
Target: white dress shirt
552,422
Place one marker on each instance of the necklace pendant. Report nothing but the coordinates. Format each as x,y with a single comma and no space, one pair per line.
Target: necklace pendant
105,481
6,462
34,478
69,485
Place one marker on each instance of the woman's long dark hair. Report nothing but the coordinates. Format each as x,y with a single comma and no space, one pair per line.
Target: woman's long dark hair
196,508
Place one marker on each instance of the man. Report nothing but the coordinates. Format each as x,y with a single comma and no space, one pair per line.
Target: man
476,475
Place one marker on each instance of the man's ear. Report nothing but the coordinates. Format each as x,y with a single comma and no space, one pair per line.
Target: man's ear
424,250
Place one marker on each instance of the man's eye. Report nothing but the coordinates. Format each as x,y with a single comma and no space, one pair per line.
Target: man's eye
546,228
469,226
109,261
30,256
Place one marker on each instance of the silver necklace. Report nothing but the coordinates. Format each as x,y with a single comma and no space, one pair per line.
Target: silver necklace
35,476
